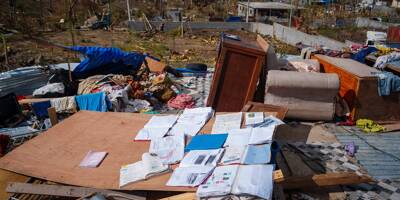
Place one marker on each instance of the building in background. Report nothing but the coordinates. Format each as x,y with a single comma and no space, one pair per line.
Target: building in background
268,11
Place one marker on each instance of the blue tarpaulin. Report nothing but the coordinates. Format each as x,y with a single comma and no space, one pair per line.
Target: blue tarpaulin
101,60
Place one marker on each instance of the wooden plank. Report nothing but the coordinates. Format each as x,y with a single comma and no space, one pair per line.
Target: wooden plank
52,115
324,180
184,196
29,101
5,178
65,191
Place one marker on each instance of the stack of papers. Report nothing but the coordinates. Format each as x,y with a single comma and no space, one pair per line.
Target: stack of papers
226,122
191,121
170,149
195,168
156,127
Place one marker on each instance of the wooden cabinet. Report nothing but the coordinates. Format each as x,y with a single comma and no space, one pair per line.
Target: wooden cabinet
359,88
237,72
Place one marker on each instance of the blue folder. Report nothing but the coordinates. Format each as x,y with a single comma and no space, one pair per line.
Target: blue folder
206,142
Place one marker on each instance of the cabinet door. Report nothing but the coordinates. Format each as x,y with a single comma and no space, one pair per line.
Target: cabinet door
236,85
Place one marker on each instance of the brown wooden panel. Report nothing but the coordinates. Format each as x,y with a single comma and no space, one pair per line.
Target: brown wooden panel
237,73
235,81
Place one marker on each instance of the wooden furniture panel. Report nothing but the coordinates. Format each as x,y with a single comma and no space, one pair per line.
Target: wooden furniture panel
360,90
237,72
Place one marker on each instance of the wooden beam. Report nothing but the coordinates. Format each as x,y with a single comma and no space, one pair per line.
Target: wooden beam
323,180
29,101
66,191
184,196
52,115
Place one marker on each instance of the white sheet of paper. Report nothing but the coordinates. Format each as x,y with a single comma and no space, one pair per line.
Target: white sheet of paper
220,182
185,129
224,123
191,121
232,155
140,170
262,135
254,118
131,173
268,121
151,133
202,158
189,176
238,137
254,180
161,121
169,149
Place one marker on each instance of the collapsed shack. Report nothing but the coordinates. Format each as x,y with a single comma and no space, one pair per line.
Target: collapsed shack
292,90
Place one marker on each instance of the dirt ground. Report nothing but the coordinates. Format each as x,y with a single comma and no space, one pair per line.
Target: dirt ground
194,47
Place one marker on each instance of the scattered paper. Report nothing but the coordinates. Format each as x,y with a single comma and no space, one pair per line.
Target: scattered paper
238,137
232,155
189,176
226,122
151,133
220,182
161,121
254,180
93,159
169,149
202,158
254,118
262,135
149,166
191,121
156,127
269,121
257,154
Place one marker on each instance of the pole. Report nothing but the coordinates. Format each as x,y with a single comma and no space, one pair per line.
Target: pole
290,13
248,11
129,10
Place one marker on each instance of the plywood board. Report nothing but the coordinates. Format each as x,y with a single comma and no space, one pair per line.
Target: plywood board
55,154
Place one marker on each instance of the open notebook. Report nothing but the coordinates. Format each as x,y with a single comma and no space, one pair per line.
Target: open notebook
255,180
245,136
249,155
195,167
141,170
156,127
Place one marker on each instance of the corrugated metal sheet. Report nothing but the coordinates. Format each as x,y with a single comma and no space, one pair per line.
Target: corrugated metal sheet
378,153
22,81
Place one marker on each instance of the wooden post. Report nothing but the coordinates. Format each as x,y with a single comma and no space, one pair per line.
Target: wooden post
53,116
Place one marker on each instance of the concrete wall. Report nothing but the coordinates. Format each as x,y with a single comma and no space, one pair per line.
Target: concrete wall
293,36
283,33
365,22
261,28
139,26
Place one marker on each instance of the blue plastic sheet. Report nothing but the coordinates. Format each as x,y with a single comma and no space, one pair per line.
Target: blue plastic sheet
360,56
101,60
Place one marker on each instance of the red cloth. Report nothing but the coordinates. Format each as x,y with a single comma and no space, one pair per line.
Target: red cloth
181,101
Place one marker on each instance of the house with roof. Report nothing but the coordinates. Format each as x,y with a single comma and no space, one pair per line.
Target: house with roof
268,11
